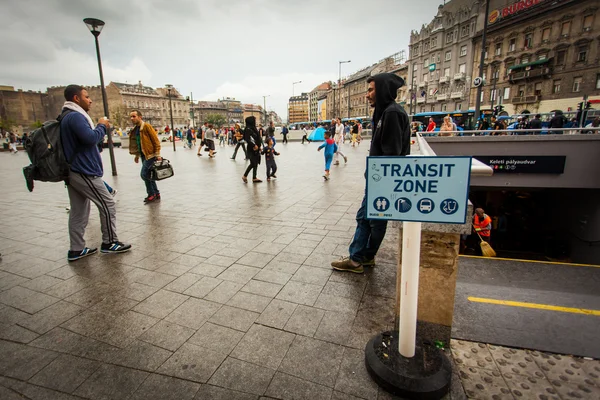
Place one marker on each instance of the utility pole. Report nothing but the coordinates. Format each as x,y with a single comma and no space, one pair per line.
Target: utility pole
481,61
192,101
265,108
337,106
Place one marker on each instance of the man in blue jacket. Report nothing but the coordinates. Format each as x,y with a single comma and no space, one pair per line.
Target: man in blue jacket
80,143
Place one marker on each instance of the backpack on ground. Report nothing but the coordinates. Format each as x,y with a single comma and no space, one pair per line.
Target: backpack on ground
46,153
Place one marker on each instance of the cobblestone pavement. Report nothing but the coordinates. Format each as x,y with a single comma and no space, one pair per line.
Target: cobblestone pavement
227,293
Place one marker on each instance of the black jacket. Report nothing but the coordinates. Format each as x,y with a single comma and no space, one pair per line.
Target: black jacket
535,124
252,137
391,128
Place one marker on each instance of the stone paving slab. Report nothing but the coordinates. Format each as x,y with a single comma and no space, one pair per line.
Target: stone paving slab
227,293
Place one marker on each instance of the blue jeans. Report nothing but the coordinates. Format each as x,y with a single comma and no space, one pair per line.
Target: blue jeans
151,187
368,235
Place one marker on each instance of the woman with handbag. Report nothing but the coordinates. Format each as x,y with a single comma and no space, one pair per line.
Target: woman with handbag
254,141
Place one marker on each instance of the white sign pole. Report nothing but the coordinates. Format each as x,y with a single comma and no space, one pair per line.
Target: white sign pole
409,292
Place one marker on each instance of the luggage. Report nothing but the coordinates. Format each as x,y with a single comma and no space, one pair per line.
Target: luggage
161,170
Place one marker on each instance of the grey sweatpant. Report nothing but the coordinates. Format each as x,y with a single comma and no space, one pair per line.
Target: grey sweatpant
83,189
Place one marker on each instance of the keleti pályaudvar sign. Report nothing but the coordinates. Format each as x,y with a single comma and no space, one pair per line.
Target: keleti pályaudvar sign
514,8
525,164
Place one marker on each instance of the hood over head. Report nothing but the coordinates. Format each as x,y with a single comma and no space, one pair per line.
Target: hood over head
251,122
386,90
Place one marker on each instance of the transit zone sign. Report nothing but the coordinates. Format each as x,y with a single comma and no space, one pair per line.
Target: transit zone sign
418,189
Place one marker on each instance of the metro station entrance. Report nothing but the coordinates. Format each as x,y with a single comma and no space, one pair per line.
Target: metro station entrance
539,224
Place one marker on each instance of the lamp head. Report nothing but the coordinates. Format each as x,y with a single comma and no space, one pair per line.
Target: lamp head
94,25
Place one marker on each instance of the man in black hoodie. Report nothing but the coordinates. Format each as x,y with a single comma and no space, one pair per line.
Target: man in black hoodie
391,137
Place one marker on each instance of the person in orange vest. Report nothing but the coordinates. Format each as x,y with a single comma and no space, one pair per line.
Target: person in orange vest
482,224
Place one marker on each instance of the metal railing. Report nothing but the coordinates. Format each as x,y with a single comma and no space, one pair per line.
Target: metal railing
477,167
516,132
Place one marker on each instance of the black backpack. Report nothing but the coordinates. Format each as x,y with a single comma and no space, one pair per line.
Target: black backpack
46,153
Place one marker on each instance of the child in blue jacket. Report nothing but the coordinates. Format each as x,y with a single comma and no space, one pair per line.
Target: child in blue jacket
330,149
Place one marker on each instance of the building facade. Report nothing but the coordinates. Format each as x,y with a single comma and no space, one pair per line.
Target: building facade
441,58
540,56
298,106
203,108
313,100
21,111
253,110
235,111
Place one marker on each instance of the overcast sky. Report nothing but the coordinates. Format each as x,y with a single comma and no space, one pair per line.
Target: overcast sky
213,48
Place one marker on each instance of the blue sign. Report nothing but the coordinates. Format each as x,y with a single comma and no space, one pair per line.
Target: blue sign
421,189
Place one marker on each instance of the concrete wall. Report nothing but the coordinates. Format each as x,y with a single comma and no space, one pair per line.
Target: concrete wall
582,167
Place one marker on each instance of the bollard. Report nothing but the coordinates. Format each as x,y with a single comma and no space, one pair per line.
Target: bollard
409,289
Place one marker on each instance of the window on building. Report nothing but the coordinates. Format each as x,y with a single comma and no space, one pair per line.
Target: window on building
528,41
415,67
521,90
426,62
587,22
463,51
433,42
565,29
458,106
444,107
448,56
425,75
561,56
446,71
546,35
484,75
512,44
496,73
462,68
437,57
464,31
482,95
506,93
498,50
426,46
449,37
525,59
485,51
542,56
493,95
597,81
432,109
577,83
582,53
422,109
538,89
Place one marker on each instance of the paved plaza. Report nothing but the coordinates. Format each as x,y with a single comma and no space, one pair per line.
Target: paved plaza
226,294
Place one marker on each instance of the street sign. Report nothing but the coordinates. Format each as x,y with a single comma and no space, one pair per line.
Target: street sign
431,67
477,81
418,189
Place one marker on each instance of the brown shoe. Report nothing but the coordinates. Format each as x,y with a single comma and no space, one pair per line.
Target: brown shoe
245,179
256,180
346,264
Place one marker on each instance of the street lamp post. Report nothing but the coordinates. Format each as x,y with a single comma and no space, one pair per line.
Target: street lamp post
265,108
289,106
191,99
481,61
169,88
339,100
95,26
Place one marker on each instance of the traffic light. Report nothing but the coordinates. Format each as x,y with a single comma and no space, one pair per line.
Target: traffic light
588,105
498,109
579,107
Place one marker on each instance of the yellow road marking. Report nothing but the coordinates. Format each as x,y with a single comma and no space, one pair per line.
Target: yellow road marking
534,305
534,261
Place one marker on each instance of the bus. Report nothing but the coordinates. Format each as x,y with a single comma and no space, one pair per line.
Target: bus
464,119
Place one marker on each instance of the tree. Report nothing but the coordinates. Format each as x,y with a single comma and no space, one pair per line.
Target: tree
7,123
38,124
217,120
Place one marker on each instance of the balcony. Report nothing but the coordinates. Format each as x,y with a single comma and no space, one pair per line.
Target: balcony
530,74
420,100
441,97
422,84
459,76
456,95
526,99
444,79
